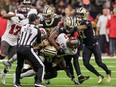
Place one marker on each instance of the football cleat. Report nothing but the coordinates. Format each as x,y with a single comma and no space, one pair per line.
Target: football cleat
75,81
108,77
47,81
100,79
17,85
3,77
83,78
39,85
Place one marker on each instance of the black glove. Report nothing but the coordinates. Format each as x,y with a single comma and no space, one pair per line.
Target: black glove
60,51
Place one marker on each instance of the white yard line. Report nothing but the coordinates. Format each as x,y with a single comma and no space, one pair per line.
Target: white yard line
11,76
69,85
103,57
13,70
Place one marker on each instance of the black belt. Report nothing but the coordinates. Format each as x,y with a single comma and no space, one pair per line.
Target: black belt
91,44
24,46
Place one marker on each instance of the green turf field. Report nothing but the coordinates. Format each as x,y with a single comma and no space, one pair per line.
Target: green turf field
63,81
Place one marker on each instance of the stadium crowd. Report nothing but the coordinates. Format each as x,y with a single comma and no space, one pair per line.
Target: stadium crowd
87,24
67,8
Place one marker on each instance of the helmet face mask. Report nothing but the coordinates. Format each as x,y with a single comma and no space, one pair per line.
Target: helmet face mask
68,29
47,18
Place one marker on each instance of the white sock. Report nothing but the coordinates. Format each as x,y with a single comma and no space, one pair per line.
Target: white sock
14,58
29,73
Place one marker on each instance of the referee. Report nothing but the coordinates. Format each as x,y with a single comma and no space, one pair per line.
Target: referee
29,35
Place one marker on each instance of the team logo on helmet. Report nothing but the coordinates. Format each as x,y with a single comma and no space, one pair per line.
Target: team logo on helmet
69,24
82,11
48,14
50,51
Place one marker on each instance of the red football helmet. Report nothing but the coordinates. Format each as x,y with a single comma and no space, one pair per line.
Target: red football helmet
22,9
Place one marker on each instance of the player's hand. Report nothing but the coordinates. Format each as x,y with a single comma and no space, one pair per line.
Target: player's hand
45,42
21,16
60,51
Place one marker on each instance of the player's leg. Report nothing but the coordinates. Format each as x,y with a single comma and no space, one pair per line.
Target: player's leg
87,52
38,66
30,72
69,69
98,59
50,72
11,52
4,49
4,52
69,66
20,62
81,78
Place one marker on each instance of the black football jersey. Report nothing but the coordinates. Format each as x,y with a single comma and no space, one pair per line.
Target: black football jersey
50,27
88,35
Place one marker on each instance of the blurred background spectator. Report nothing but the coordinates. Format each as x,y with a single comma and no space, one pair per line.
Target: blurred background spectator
101,29
3,23
111,26
67,8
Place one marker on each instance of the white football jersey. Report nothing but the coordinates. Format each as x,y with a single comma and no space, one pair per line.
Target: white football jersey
62,41
13,29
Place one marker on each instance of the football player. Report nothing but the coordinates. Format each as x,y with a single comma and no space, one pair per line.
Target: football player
68,27
90,45
9,39
50,19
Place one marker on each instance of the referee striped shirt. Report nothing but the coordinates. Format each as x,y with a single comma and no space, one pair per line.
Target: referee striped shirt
29,35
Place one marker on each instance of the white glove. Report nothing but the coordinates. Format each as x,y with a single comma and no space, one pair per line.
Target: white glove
20,16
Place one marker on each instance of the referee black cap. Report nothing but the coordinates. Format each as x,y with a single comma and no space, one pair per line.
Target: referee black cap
32,18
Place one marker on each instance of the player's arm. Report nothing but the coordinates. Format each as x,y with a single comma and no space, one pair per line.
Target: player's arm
11,14
83,25
42,44
38,40
52,38
8,16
